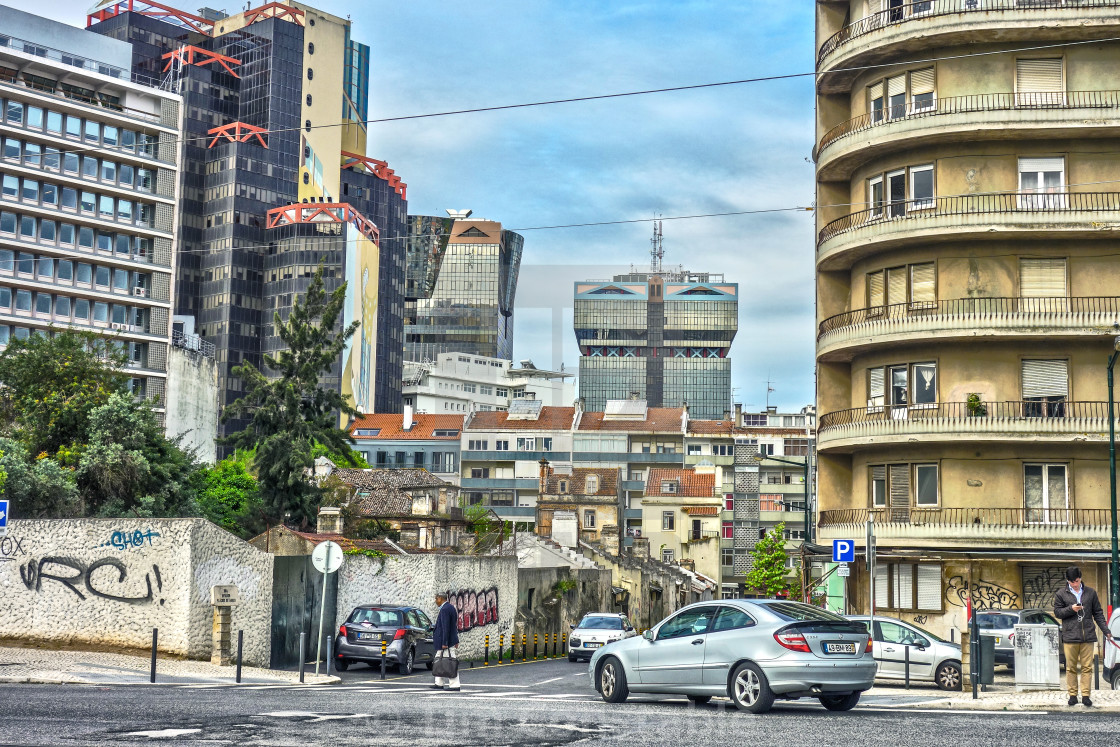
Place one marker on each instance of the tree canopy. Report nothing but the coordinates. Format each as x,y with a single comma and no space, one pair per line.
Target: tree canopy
769,571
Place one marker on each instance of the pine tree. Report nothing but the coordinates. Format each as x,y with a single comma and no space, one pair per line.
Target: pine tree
769,572
292,412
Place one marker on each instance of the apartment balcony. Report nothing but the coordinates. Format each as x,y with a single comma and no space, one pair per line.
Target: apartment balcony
849,430
783,488
499,483
716,459
675,459
973,217
515,456
843,336
695,535
515,513
917,27
989,116
633,484
1081,526
632,513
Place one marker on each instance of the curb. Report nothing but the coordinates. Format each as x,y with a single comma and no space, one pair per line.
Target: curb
62,680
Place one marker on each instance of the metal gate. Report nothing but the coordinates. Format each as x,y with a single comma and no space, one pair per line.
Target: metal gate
297,590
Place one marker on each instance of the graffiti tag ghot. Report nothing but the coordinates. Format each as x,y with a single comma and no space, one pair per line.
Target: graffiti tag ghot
124,540
84,576
475,608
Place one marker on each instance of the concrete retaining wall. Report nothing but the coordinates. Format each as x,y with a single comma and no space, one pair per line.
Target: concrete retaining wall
483,589
110,581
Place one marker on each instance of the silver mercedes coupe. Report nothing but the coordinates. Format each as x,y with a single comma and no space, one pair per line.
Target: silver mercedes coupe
753,651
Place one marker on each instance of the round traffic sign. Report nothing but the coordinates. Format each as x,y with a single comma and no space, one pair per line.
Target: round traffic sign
327,557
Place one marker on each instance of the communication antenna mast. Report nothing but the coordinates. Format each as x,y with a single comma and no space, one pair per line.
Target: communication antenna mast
657,250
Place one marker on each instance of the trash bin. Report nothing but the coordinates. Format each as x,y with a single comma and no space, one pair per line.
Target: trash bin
987,662
1036,657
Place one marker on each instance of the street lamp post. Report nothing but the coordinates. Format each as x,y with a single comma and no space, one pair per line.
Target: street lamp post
1114,596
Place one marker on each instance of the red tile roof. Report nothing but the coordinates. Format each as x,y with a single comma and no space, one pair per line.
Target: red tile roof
657,420
551,419
691,484
728,428
577,481
701,510
423,427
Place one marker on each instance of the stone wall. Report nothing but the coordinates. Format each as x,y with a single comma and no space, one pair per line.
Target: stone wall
108,582
192,401
651,590
484,589
551,599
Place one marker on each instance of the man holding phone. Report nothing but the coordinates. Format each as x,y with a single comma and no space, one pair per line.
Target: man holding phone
1072,605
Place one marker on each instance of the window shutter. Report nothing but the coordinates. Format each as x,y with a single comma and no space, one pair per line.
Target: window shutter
1036,165
1042,278
896,86
922,283
881,600
876,387
929,587
896,285
921,81
1045,378
1039,76
875,289
875,91
878,474
900,492
903,583
874,6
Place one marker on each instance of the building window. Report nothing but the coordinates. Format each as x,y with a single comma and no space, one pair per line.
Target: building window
729,502
901,486
727,558
914,284
796,446
546,444
477,444
728,530
1045,388
765,450
445,433
563,487
591,484
794,534
669,486
1046,493
501,445
527,444
694,449
902,385
925,485
480,473
1042,183
668,521
723,449
879,486
1039,82
667,556
367,432
1043,278
908,586
588,519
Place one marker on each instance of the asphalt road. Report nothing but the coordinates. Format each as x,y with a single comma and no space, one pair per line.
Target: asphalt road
546,703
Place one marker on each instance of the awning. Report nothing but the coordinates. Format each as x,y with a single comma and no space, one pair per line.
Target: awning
701,510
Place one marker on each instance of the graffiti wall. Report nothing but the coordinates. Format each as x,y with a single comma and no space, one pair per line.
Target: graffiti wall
483,590
110,581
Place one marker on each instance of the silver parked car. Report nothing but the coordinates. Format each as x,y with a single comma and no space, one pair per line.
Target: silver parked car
595,630
1000,625
932,659
751,650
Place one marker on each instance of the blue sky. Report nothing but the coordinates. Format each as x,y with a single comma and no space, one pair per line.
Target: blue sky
731,148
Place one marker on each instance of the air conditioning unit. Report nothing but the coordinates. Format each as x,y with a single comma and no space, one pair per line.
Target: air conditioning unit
115,325
140,292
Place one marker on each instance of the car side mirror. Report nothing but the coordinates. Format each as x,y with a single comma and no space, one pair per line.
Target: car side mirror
571,626
648,635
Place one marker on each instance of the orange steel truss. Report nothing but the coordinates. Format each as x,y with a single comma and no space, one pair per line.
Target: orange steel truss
323,212
378,168
274,10
237,132
155,10
189,54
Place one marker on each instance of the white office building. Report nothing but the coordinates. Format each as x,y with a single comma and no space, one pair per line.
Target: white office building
459,383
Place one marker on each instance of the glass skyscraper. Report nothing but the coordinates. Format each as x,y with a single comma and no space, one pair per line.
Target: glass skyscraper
662,336
460,283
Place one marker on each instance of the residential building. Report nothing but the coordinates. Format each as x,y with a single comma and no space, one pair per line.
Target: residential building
662,336
502,451
88,206
592,495
966,299
461,383
681,517
422,508
408,440
269,191
461,280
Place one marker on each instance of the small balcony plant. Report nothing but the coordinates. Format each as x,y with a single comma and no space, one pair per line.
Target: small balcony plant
976,407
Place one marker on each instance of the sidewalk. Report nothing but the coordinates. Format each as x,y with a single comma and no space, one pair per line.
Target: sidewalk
51,666
1000,696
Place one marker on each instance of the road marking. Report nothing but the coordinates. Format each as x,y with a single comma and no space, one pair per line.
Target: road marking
580,674
312,717
545,682
163,733
568,695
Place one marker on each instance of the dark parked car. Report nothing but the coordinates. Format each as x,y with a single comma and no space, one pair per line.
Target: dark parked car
406,632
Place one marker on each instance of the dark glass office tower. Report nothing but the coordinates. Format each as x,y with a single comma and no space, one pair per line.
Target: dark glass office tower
275,102
461,280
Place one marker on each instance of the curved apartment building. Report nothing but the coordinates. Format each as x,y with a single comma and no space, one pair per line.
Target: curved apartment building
968,192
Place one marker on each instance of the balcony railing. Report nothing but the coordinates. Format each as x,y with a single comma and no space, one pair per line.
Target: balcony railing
1008,308
987,102
994,203
695,535
924,9
966,517
1025,410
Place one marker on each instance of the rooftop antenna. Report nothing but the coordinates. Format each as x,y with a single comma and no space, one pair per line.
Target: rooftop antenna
657,250
768,390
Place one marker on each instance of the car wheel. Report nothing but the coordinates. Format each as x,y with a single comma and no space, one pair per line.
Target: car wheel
341,665
1116,679
429,665
948,676
699,699
405,667
612,681
572,658
840,702
750,690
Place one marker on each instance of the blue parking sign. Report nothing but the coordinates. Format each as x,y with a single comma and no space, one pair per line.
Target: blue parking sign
843,551
3,516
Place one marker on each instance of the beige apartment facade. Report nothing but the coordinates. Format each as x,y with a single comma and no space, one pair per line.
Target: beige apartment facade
968,184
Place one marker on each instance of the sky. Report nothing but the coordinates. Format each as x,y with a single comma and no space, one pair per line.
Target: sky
723,149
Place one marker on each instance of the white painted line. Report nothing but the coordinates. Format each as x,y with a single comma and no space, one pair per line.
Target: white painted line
568,695
545,682
580,674
163,733
312,717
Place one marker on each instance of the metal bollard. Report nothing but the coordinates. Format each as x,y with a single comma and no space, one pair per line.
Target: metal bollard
330,654
487,659
1096,672
383,657
155,641
535,657
907,665
302,653
524,647
564,640
501,645
240,645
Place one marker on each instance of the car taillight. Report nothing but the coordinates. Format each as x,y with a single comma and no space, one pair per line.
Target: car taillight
342,630
399,634
870,643
792,640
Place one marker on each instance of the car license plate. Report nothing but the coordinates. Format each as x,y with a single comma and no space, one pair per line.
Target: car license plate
593,645
839,648
369,636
